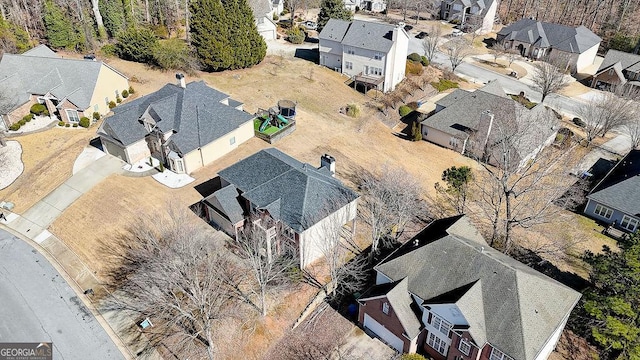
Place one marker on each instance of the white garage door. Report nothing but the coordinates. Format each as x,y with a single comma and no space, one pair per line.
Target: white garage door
384,334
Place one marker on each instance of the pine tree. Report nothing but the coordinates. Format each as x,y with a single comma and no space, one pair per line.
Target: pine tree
58,27
332,9
256,48
112,16
210,35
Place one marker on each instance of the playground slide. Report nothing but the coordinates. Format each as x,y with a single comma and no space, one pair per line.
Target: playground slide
264,125
282,119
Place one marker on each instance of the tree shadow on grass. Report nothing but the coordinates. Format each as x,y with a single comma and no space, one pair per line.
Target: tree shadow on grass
537,263
308,54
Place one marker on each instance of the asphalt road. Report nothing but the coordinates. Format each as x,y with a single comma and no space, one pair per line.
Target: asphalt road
37,305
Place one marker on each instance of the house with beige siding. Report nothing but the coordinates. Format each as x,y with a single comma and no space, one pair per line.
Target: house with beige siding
478,15
184,126
373,55
289,201
448,294
69,88
617,68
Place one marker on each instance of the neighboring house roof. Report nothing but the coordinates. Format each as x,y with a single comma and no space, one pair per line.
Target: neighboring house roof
361,34
296,193
260,8
620,60
505,302
481,4
225,200
545,35
620,188
40,71
194,114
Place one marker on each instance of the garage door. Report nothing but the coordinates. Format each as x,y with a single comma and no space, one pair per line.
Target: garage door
114,150
382,332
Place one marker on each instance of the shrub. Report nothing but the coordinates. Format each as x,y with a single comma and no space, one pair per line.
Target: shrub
414,57
27,118
579,122
38,109
22,122
412,357
118,99
96,116
424,61
295,35
416,131
67,125
137,44
112,104
275,17
125,93
443,85
174,54
75,125
413,105
108,50
414,68
60,123
131,91
404,110
353,110
84,122
15,127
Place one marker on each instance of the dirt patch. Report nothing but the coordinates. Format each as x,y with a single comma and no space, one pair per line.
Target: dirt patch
573,347
574,89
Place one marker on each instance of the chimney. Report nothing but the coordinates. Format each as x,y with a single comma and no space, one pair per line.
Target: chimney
329,162
181,80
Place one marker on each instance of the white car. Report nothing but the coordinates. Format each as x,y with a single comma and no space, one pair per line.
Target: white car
457,32
310,25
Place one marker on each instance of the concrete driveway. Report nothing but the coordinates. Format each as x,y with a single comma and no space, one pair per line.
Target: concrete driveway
37,305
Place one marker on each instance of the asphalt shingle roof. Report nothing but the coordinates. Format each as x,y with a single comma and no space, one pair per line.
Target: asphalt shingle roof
543,34
361,34
507,304
626,60
194,114
620,189
294,192
40,71
226,200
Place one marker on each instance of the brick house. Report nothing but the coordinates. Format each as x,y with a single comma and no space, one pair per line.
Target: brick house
617,68
448,294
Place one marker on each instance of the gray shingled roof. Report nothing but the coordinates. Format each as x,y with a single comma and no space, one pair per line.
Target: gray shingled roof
294,192
508,305
401,302
38,72
41,50
226,201
620,189
361,34
543,34
627,61
260,8
194,114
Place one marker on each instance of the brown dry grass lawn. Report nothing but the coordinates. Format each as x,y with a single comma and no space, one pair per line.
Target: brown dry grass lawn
48,158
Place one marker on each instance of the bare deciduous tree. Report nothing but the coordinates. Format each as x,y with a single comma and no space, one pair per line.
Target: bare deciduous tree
457,50
430,42
511,55
609,111
632,128
547,78
169,270
497,50
391,199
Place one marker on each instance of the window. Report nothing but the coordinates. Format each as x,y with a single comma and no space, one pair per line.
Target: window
350,51
72,115
374,71
377,56
232,140
106,101
603,211
629,223
385,308
454,141
348,65
441,324
498,355
464,346
438,344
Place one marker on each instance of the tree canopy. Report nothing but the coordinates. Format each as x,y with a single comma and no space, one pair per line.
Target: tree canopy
332,9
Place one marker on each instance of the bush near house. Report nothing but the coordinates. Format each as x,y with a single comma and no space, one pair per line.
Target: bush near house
15,127
404,110
444,84
96,116
414,68
131,91
39,109
424,61
412,357
353,110
125,93
415,57
27,118
75,125
67,125
22,122
112,104
60,123
84,122
295,35
118,99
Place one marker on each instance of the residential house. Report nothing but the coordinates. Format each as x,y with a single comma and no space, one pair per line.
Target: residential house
472,122
366,5
70,88
289,200
479,14
371,54
618,67
615,200
184,126
263,11
451,295
577,47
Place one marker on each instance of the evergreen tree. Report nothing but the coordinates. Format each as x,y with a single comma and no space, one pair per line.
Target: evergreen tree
613,303
253,48
112,16
59,28
332,9
210,35
13,39
137,44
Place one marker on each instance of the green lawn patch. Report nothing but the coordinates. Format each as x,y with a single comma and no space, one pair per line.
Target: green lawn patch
269,130
443,85
524,101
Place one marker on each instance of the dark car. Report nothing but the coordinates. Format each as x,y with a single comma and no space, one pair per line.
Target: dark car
408,27
422,35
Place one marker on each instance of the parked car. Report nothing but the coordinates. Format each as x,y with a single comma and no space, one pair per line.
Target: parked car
310,25
422,35
408,27
457,32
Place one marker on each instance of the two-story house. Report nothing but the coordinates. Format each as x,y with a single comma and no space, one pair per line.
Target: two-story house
481,12
367,5
288,199
69,88
184,126
615,200
450,294
617,68
263,11
373,55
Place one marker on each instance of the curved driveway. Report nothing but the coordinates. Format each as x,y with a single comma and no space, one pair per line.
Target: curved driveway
37,305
